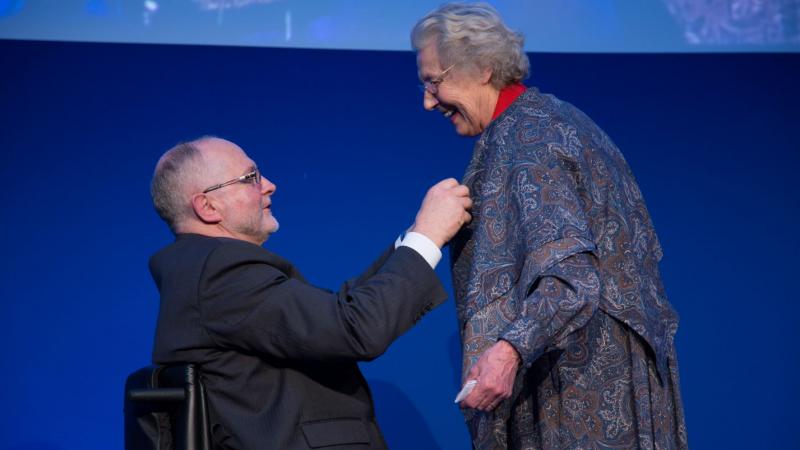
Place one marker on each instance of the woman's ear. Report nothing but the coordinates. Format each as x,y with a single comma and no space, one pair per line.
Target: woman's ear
486,75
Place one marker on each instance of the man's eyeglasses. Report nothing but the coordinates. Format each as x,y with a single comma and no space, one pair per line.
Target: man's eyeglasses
432,85
253,177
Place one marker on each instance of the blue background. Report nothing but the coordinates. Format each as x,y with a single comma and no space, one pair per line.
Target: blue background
711,138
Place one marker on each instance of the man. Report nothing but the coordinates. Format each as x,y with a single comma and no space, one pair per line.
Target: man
278,355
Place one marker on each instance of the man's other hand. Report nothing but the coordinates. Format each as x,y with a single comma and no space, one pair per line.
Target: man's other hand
443,211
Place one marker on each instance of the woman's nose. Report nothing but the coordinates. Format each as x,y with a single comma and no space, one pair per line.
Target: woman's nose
429,101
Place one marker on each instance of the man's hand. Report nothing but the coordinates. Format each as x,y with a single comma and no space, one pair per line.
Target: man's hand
495,372
443,211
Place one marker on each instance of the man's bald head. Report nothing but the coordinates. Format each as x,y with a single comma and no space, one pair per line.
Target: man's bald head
179,173
188,195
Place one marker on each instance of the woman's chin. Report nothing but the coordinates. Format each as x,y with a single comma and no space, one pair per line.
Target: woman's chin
463,128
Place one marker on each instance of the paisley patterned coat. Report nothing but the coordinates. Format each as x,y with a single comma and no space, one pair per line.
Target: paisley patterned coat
561,260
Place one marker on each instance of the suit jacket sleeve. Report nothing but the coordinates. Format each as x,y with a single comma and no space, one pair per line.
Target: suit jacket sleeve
250,305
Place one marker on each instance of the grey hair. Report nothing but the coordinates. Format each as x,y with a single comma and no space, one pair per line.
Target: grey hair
472,35
176,173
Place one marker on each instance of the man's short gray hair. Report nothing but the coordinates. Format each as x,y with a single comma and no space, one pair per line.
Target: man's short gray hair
472,35
175,174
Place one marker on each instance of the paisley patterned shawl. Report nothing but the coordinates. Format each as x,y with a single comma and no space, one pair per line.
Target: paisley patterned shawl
548,184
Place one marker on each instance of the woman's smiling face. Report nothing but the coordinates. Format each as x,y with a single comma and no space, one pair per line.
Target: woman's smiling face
465,97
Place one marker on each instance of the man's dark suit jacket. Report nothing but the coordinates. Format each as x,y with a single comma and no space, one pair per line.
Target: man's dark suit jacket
278,356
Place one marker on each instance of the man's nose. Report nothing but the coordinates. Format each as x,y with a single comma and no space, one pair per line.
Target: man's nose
267,187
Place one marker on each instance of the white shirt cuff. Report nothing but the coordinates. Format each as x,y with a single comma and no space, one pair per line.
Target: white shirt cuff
422,245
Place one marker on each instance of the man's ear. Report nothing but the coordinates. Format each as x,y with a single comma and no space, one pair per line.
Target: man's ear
205,209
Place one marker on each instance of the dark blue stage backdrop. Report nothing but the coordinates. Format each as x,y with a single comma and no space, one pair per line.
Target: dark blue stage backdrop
713,140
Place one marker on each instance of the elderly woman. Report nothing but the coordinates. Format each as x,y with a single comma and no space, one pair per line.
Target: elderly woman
565,325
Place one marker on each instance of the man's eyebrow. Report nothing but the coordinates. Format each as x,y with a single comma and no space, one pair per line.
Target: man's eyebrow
248,170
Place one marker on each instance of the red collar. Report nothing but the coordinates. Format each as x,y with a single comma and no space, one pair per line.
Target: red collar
507,96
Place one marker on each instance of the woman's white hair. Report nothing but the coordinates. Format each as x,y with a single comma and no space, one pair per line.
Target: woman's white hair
473,36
